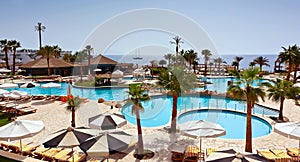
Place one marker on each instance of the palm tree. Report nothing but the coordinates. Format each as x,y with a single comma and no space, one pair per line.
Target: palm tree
190,56
4,44
73,105
177,41
88,49
137,94
252,64
261,61
243,89
238,59
206,53
288,55
14,45
79,57
168,57
279,91
68,58
40,28
162,62
49,52
235,64
177,81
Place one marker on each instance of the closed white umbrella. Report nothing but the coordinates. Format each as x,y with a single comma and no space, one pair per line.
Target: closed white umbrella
201,129
3,91
21,129
290,130
8,85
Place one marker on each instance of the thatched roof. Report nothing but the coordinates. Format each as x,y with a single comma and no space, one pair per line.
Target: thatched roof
100,59
42,63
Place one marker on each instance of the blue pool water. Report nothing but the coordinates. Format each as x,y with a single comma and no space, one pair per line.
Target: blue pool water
233,122
157,111
91,93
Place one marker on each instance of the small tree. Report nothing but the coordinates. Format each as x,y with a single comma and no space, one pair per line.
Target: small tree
162,62
73,105
137,94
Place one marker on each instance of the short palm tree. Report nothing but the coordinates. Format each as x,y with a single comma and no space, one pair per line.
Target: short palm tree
176,81
243,89
137,94
14,45
252,64
279,91
190,56
177,41
4,44
238,59
261,61
73,105
288,55
68,57
168,57
206,54
49,52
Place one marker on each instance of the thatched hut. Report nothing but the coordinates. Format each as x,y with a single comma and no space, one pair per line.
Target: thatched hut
39,67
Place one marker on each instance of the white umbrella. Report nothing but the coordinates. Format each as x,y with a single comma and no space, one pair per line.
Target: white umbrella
290,130
296,85
3,70
20,129
106,121
232,155
97,70
51,85
201,129
2,91
29,84
8,85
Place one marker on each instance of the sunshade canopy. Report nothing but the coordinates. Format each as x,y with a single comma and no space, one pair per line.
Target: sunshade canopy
107,143
106,121
232,155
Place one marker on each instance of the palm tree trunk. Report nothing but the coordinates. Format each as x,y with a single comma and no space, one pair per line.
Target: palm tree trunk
205,68
48,64
6,58
73,117
140,133
248,145
89,63
14,63
174,113
280,117
289,71
295,73
40,37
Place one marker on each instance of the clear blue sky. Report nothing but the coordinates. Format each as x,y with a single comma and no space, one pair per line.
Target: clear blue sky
234,26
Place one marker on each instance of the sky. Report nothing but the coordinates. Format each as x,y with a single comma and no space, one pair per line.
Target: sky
233,26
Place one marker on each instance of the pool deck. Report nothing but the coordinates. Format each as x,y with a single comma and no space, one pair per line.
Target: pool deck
55,117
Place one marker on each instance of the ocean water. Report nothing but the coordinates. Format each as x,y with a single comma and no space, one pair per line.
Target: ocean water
228,58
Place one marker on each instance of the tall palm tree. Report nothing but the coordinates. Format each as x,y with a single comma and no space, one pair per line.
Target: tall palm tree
49,52
288,55
177,41
206,53
168,57
14,45
238,59
177,81
243,89
79,57
137,94
261,61
190,56
279,91
40,28
4,44
89,49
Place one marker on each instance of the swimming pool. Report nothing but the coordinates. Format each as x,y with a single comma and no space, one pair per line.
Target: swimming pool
233,122
157,111
115,93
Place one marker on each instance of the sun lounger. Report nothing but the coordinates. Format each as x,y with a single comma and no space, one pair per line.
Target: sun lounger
177,156
62,153
48,155
38,153
210,150
282,155
192,154
267,154
292,151
77,157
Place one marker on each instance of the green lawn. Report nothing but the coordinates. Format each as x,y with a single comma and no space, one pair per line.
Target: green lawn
4,119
